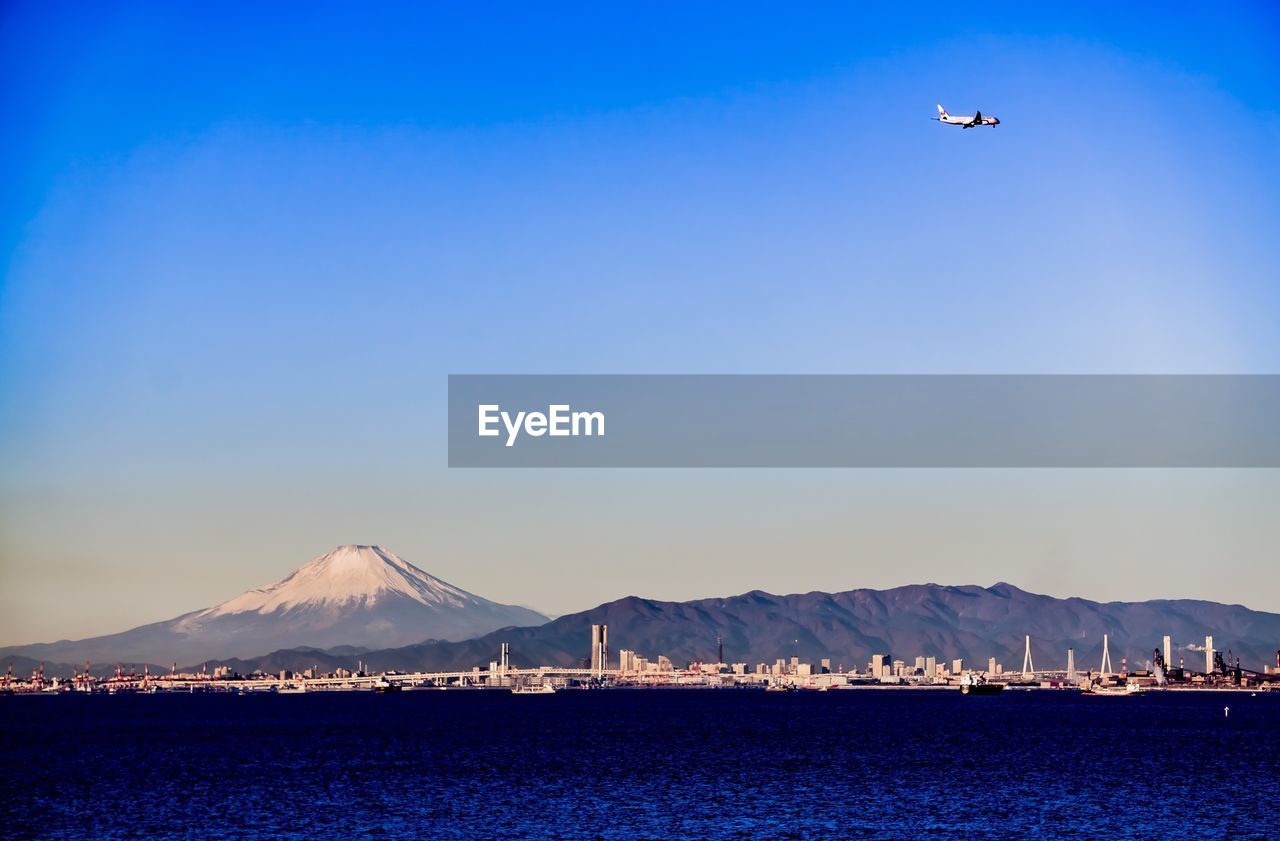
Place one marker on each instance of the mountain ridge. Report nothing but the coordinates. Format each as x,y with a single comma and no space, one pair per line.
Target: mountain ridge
355,595
968,622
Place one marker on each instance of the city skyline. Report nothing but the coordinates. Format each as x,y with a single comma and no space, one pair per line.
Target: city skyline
395,616
1220,672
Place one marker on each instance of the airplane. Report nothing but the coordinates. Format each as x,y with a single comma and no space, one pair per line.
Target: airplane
966,122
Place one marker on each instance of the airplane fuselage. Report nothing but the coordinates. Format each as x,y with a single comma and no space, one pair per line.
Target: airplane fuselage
978,119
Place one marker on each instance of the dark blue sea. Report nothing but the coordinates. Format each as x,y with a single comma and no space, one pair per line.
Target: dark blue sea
640,764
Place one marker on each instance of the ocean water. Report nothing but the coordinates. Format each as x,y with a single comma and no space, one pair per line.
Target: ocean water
640,764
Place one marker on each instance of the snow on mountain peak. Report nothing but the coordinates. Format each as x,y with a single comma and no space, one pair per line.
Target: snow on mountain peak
348,574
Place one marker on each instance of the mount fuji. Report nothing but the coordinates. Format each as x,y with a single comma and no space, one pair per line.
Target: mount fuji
359,596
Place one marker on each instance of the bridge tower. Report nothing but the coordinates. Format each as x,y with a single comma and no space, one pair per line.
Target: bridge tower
1105,669
1028,668
1071,665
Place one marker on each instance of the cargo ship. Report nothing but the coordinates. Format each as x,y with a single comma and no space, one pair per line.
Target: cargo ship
1098,691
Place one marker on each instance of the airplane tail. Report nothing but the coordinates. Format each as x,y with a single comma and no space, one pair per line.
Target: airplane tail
942,112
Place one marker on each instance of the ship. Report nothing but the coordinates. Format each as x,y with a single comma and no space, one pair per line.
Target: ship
971,684
1097,691
540,689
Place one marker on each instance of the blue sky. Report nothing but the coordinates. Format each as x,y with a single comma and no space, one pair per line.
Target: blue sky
244,246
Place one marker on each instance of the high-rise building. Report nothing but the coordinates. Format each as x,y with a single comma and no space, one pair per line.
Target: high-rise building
880,666
599,647
1168,652
626,661
957,666
931,667
1208,655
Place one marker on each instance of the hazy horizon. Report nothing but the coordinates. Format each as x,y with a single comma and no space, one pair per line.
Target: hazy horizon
552,615
242,255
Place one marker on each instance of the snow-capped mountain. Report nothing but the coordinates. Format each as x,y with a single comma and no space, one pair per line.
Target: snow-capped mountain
348,576
362,596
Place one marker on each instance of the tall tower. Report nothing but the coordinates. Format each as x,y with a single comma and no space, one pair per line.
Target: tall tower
1071,665
719,650
1106,656
1208,655
1168,653
599,648
1028,668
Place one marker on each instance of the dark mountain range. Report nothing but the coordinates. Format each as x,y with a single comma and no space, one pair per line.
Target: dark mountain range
969,622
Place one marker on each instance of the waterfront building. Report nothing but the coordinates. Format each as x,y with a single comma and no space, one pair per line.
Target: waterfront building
599,647
880,666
